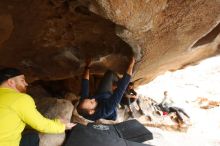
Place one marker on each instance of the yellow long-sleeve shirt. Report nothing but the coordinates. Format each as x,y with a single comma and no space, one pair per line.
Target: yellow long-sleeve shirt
17,110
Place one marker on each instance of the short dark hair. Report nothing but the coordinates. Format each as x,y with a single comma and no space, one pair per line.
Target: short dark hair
131,84
7,73
81,111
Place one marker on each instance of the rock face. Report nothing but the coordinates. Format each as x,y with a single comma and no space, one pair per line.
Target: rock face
165,34
54,108
49,39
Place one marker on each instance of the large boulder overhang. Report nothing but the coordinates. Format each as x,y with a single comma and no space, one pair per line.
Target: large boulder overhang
49,39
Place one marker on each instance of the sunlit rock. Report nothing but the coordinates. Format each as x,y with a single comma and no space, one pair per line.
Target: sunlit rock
164,34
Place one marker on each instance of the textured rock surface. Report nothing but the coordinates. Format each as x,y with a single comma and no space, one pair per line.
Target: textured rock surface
49,39
164,31
54,108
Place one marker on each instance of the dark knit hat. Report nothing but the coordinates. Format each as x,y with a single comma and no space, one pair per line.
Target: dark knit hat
7,73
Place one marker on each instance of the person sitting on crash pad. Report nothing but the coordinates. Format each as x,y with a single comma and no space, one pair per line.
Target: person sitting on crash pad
167,106
102,105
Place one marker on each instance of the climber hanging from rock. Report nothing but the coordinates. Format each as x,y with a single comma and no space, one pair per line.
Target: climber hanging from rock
103,104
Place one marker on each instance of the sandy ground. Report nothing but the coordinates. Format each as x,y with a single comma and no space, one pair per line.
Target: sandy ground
185,87
205,131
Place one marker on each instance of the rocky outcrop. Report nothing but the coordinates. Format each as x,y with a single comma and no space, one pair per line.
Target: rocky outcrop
54,108
205,103
164,34
49,39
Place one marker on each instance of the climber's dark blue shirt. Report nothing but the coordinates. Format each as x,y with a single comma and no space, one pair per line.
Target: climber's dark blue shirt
107,102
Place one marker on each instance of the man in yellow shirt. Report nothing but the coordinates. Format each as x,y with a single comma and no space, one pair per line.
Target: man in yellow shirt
18,109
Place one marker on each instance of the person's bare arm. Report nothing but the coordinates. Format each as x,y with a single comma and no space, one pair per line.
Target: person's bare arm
87,67
85,80
120,90
132,96
130,66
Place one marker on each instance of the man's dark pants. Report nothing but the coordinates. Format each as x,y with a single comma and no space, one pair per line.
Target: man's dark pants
30,139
